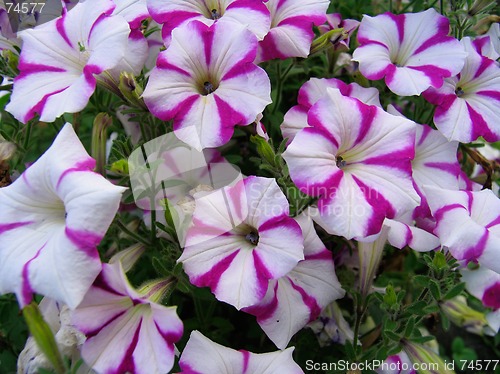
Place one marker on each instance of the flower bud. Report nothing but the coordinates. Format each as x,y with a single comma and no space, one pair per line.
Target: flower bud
464,316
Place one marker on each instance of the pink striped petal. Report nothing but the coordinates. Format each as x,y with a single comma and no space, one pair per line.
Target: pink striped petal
203,356
291,31
240,239
356,159
468,223
483,284
207,83
59,60
297,298
412,51
467,105
51,220
134,11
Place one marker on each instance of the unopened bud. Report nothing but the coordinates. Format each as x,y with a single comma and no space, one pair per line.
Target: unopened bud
131,90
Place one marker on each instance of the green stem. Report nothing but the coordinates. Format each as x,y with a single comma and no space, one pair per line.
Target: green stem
133,235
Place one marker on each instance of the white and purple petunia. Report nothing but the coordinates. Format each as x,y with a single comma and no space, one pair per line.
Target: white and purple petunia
356,159
483,284
252,14
127,331
412,51
134,12
313,90
468,223
299,297
207,83
60,58
291,32
467,105
203,356
335,21
51,220
241,237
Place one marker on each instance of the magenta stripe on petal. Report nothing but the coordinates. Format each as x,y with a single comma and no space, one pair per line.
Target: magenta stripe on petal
27,291
265,311
228,118
368,114
4,227
394,160
169,336
263,275
38,108
310,302
87,165
97,22
91,333
473,253
62,30
495,222
453,169
30,68
243,68
171,20
434,73
101,283
85,241
438,214
323,255
491,296
432,41
246,358
212,277
179,112
479,126
186,369
399,20
128,365
485,64
491,94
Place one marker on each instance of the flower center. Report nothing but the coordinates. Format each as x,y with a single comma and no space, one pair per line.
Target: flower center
215,14
208,88
459,91
340,162
252,237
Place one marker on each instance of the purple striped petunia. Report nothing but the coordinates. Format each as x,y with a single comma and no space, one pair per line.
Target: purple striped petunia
483,284
467,105
207,83
412,51
242,236
60,58
291,32
127,331
313,90
203,356
468,223
299,297
51,220
356,159
252,14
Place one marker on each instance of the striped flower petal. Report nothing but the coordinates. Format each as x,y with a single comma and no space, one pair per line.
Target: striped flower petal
313,90
59,59
357,160
412,51
298,298
252,14
134,11
467,105
468,223
483,284
203,356
207,83
51,220
291,31
241,238
126,331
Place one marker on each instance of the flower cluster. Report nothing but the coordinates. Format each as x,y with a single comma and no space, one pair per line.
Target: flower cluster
191,202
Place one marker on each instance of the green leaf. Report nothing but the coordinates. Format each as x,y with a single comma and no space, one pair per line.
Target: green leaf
435,291
43,336
410,325
455,291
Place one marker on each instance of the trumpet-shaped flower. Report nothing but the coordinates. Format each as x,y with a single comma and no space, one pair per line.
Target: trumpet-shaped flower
59,60
299,297
468,223
313,90
51,220
467,105
241,238
412,51
252,14
484,284
291,31
357,160
203,356
207,83
127,330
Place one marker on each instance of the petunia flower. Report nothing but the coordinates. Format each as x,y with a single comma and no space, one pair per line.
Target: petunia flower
468,224
467,105
134,12
291,32
298,298
60,58
335,21
207,83
127,330
203,356
241,238
412,51
331,327
252,14
356,159
484,284
396,364
313,90
51,220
